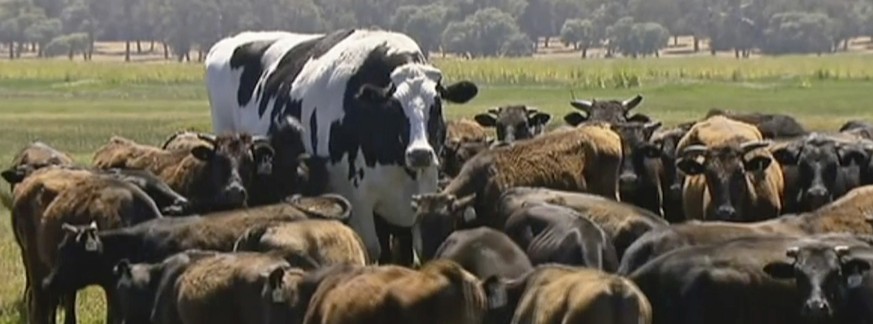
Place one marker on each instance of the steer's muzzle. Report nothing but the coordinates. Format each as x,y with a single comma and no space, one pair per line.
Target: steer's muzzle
419,158
817,308
725,213
235,195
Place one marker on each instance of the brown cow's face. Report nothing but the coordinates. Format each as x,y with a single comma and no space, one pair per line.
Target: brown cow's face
825,275
281,295
726,169
636,149
230,167
438,216
514,122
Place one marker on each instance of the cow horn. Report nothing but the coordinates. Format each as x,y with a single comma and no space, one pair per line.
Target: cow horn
652,126
694,150
792,252
207,138
631,103
841,250
531,110
583,105
753,145
494,111
69,228
93,225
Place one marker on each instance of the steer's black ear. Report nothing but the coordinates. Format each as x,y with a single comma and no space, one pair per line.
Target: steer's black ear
374,94
575,118
460,92
779,270
690,166
122,268
855,267
14,175
540,118
758,163
486,120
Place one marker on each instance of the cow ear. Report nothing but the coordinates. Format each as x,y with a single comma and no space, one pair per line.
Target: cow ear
122,268
786,155
373,94
263,154
650,151
14,175
575,118
757,163
779,270
460,92
275,284
854,270
540,118
486,120
203,153
495,290
690,166
852,154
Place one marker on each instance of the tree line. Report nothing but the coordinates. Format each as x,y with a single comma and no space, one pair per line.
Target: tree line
471,28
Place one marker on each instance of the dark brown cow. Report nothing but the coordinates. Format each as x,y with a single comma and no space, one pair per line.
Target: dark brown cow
729,174
639,180
53,196
671,178
562,294
32,157
771,126
153,241
212,178
283,167
485,252
849,214
514,123
225,288
733,282
610,111
557,234
307,244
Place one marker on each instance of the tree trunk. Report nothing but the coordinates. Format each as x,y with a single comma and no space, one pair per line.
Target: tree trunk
199,55
11,50
696,44
546,42
585,52
658,54
188,56
33,47
166,51
138,46
846,45
152,46
71,53
127,50
736,53
676,40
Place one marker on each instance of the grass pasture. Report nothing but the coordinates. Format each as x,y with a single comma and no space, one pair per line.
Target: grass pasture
76,106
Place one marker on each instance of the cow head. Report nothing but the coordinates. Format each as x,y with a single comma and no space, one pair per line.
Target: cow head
438,215
823,274
34,156
415,93
281,296
666,141
455,154
820,161
80,246
727,170
280,160
611,111
229,168
514,122
636,149
136,286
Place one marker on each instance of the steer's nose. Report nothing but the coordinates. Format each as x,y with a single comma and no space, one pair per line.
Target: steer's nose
235,195
725,213
420,158
817,308
627,179
817,192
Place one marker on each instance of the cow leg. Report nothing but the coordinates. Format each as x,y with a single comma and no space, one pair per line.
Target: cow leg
402,251
69,302
113,313
363,222
384,234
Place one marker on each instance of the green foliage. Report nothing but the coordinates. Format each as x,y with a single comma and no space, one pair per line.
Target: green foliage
485,33
579,33
517,45
799,32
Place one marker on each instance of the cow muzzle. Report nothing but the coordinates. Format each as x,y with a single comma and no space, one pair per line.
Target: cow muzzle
725,213
817,308
817,197
420,158
235,195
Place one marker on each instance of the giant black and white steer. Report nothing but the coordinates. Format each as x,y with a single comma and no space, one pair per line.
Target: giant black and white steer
369,101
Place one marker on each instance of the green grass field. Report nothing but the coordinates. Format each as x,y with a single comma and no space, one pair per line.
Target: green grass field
77,106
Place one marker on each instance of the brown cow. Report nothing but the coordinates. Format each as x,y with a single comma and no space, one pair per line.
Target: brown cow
729,174
307,244
226,288
464,138
212,178
563,294
440,292
32,157
849,214
53,196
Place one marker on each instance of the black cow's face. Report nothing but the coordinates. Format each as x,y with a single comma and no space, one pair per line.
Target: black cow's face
415,95
819,161
610,111
230,168
636,149
281,296
79,260
438,215
824,275
455,154
667,142
514,122
725,169
136,285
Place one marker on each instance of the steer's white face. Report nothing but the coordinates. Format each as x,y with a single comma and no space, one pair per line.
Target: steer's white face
416,90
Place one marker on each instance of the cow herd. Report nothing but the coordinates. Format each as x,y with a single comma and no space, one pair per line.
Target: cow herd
333,191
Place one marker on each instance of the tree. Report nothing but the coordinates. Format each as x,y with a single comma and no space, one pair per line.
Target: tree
579,33
459,37
620,36
517,45
42,31
799,32
650,38
538,20
422,24
563,10
663,12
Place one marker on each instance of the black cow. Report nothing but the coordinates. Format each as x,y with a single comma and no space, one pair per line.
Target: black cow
639,180
611,111
514,122
485,252
771,126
